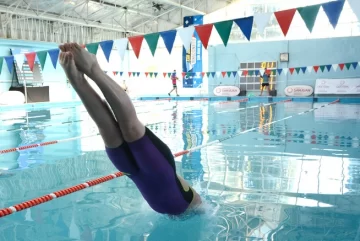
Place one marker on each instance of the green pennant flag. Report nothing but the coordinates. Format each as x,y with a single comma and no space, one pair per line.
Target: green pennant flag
273,72
169,74
1,63
297,70
348,65
92,48
208,74
151,74
322,67
42,58
251,73
228,73
224,30
133,73
309,15
152,40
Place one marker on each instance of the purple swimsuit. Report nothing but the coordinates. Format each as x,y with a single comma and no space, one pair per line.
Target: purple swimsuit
150,164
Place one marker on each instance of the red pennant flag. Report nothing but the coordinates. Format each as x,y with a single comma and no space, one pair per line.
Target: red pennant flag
202,74
31,59
245,72
316,68
204,32
268,71
146,74
164,75
130,74
136,43
223,74
284,19
291,70
115,73
183,74
341,66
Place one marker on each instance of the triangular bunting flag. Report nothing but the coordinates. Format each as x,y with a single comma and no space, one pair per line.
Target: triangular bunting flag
316,68
115,73
245,72
169,39
204,32
279,71
262,71
291,70
228,74
152,40
297,70
348,65
333,10
1,63
303,69
92,48
310,68
322,67
138,74
185,35
169,74
285,71
335,66
354,64
164,74
19,59
151,74
54,56
129,74
10,63
213,74
234,73
106,47
105,72
257,72
246,25
121,73
147,74
224,30
355,6
121,45
202,74
284,19
155,74
31,59
250,72
133,73
208,74
240,72
328,67
341,66
262,20
309,15
136,43
42,55
218,74
183,74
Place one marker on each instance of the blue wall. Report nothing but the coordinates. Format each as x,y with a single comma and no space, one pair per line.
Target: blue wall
54,78
302,53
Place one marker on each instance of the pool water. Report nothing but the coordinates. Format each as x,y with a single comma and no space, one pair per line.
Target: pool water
286,173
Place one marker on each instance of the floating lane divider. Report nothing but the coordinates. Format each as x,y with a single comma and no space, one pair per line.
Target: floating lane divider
37,201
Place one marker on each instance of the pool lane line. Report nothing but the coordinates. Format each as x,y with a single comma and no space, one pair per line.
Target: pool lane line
49,197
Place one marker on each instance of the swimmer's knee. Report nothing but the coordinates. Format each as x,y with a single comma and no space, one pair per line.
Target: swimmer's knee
133,131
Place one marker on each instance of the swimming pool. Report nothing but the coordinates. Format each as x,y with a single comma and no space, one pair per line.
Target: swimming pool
282,171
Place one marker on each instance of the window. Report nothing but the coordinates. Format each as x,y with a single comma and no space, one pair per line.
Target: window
251,81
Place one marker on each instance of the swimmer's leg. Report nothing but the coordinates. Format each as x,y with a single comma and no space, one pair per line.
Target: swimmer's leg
131,127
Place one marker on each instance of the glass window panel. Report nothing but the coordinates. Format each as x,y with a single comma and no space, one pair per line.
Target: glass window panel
251,65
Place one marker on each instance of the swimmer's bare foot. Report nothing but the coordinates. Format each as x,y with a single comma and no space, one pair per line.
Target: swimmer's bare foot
84,61
75,76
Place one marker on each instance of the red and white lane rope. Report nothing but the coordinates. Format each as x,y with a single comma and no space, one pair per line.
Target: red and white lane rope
37,201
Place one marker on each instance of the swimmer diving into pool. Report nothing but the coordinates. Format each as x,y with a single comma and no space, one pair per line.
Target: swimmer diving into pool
132,148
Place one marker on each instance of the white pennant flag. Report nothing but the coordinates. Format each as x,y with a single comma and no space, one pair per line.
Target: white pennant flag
335,66
186,35
121,45
198,74
285,70
261,20
218,74
309,69
355,6
19,59
262,71
240,73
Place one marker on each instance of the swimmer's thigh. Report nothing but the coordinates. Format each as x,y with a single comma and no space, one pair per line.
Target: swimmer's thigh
123,159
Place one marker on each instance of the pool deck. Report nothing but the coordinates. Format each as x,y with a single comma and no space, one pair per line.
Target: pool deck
69,104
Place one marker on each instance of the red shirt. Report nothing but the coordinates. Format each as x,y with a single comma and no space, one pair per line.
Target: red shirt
173,78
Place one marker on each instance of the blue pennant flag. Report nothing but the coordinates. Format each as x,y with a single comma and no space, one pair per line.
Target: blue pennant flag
279,71
106,47
213,74
54,56
169,39
10,63
156,74
303,69
257,72
121,73
328,67
138,74
246,25
354,64
333,10
234,73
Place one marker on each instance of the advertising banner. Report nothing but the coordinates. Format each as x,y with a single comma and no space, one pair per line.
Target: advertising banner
338,86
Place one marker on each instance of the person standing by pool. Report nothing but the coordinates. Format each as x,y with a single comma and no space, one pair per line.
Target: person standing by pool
174,79
265,83
132,147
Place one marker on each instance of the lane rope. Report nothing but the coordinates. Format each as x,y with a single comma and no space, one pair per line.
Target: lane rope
49,197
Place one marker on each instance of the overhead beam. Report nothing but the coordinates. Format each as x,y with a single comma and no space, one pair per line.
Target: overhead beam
123,8
181,6
55,18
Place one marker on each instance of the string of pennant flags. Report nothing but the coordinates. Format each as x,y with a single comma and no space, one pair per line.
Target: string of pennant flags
245,72
284,18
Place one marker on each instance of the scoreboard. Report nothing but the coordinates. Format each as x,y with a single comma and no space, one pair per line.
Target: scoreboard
253,81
